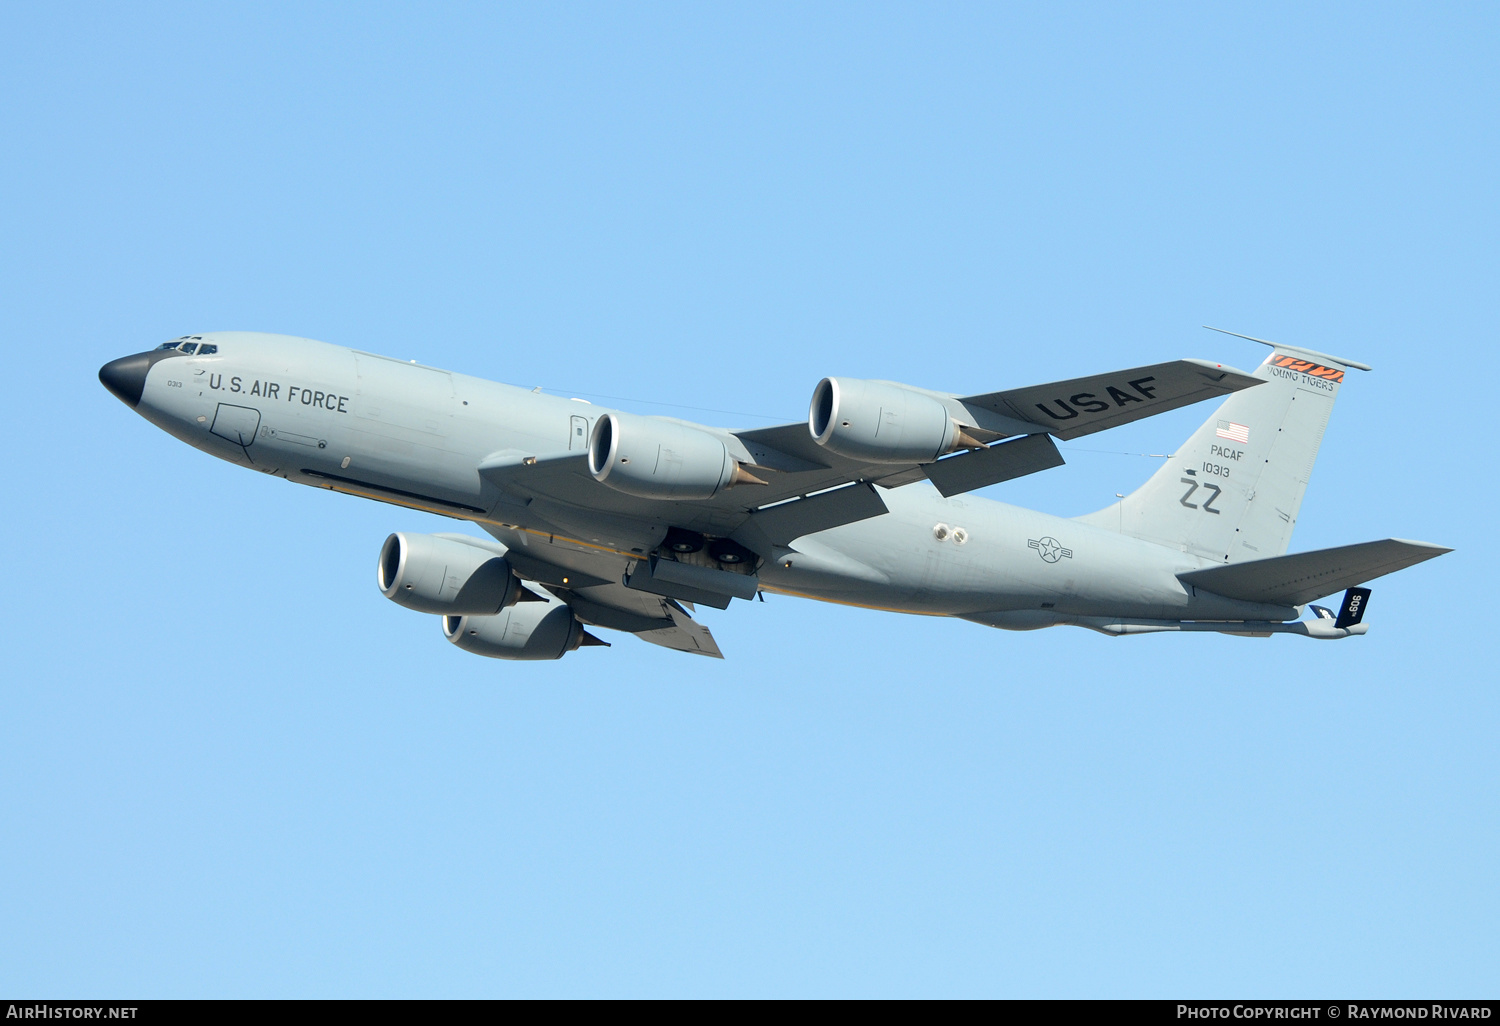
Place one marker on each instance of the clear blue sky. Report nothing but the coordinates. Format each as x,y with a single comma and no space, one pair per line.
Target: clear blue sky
230,767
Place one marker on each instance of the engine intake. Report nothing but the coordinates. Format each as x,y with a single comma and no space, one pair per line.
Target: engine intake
532,630
435,574
882,422
656,458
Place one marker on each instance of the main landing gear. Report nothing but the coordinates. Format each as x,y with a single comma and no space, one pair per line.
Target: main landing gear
729,553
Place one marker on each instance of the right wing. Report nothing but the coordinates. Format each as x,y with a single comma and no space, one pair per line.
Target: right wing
589,582
685,634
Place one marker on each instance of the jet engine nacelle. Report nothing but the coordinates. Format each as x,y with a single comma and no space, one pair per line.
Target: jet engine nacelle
531,630
882,422
656,458
433,574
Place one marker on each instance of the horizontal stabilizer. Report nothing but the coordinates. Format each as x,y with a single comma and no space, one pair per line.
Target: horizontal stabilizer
1299,578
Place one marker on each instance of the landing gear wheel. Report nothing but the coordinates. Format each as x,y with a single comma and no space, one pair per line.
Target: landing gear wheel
683,541
726,551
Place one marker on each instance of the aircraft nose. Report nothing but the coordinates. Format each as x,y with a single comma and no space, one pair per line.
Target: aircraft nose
126,377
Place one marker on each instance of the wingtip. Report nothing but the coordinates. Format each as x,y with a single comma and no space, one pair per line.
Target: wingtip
1355,364
1436,550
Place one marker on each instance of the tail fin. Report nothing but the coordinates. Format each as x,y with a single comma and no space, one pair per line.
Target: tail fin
1232,491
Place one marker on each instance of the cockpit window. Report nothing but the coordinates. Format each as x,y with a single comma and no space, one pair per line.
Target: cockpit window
189,344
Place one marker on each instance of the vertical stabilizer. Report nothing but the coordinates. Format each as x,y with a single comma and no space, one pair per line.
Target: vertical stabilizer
1232,491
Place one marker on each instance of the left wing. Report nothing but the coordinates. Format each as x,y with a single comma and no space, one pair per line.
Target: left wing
1065,409
1081,406
800,476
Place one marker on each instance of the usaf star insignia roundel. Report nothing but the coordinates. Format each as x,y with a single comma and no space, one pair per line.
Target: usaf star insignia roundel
1049,548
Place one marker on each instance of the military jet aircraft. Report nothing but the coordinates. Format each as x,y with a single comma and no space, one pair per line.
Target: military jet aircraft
599,518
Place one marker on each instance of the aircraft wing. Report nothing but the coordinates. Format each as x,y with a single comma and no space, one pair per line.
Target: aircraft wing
1066,409
661,621
561,490
790,450
589,582
1081,406
798,498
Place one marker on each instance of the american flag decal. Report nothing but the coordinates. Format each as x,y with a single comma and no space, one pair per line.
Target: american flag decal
1234,432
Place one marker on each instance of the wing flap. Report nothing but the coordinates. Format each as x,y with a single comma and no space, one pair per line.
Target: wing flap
685,635
980,467
770,529
661,621
1299,578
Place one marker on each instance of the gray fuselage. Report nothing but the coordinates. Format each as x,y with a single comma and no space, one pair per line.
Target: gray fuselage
340,419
